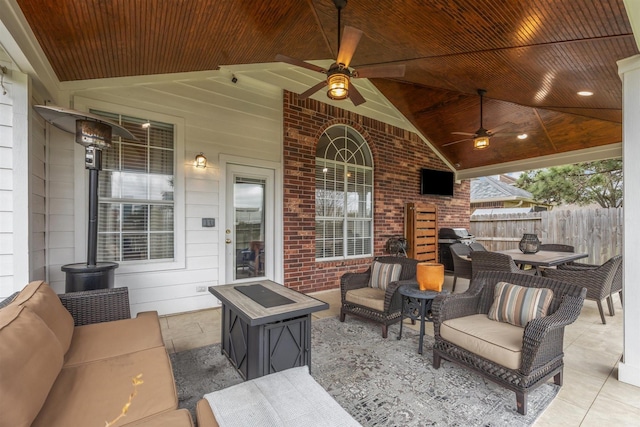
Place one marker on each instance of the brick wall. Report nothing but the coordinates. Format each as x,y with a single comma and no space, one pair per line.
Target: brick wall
398,156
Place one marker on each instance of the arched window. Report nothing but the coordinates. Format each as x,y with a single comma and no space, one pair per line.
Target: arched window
344,195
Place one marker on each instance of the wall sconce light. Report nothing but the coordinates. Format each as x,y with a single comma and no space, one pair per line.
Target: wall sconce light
200,161
4,71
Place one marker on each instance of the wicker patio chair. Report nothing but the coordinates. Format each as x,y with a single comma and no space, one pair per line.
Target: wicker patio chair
556,247
390,301
461,262
86,307
598,281
5,302
541,355
475,246
96,306
494,261
616,285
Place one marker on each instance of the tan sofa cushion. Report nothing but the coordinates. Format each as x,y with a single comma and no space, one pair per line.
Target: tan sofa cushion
30,361
103,340
204,414
367,297
177,418
91,393
497,341
40,298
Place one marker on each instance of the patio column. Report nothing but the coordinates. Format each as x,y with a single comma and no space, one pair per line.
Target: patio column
629,70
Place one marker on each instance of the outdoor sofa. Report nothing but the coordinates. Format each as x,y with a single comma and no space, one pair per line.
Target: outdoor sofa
69,360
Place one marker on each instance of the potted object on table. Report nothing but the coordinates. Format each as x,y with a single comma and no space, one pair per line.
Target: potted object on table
530,244
430,276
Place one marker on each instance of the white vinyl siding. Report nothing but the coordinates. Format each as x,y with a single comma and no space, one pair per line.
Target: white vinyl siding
20,185
212,115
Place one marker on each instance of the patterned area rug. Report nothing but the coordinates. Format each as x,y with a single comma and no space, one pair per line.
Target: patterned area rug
379,382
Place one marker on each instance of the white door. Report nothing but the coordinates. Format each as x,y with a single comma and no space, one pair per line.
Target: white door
249,233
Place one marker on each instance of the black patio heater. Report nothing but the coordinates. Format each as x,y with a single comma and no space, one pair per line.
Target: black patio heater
94,133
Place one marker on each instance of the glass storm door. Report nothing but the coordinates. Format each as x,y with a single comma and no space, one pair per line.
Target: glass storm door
249,221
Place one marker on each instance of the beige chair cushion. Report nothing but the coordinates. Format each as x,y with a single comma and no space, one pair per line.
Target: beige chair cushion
30,361
91,393
40,298
496,341
367,297
108,339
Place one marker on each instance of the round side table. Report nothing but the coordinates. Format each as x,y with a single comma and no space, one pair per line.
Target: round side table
416,305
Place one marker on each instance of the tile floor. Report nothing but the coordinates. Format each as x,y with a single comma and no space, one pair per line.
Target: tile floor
591,394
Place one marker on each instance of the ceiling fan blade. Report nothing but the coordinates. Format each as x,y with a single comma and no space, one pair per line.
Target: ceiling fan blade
455,142
395,70
348,44
355,96
312,90
462,133
505,133
299,63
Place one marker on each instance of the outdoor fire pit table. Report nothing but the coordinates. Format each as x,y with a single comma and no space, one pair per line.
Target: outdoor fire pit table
266,327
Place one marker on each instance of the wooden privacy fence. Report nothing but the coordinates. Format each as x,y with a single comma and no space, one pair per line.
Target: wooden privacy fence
597,232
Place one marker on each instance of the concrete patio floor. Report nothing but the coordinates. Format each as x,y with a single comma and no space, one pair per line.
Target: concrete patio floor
591,394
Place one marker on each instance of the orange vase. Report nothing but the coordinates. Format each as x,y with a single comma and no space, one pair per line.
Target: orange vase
430,276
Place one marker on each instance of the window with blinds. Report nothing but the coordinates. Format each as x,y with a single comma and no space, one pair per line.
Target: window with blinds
344,195
135,193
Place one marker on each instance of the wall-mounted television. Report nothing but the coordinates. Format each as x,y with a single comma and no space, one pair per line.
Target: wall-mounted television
435,182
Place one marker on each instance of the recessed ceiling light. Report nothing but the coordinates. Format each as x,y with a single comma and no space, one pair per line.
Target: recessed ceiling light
523,136
585,93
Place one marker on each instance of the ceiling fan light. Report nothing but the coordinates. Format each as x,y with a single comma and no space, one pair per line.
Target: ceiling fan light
480,143
338,86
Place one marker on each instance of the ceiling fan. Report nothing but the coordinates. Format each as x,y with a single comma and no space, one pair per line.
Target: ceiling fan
481,136
338,75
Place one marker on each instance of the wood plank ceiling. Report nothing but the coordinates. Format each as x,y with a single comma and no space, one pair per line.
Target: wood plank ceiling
532,57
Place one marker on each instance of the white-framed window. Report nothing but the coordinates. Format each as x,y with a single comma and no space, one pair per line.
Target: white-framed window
141,194
135,192
344,195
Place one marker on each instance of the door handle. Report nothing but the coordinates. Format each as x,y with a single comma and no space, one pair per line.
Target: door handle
227,241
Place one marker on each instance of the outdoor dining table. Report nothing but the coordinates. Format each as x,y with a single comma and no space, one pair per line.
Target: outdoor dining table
542,258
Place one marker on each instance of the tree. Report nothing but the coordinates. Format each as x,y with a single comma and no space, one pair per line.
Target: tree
582,183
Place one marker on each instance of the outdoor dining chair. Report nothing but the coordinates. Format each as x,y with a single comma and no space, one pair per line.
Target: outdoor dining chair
494,261
475,246
616,285
461,262
598,281
556,247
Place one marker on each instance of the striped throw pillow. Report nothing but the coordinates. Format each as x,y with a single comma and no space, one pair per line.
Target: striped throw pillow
383,273
518,304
